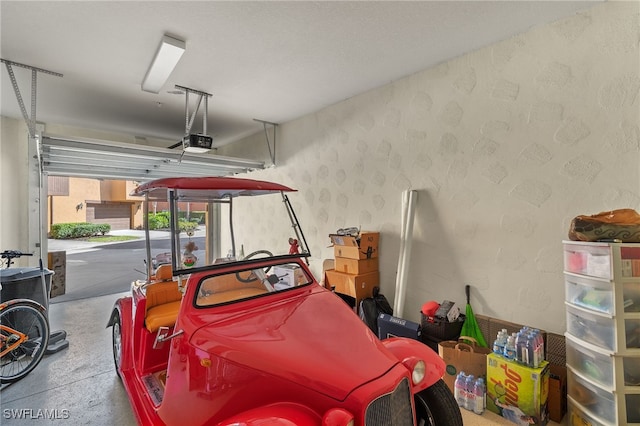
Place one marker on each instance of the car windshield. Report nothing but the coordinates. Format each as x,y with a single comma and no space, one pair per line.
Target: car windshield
214,221
249,283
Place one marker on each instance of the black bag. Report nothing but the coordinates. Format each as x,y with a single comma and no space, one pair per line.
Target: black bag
371,307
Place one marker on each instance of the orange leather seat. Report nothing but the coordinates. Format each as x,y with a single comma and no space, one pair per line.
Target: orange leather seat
164,273
162,316
163,304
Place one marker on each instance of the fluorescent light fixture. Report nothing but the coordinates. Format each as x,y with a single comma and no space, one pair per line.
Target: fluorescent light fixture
169,53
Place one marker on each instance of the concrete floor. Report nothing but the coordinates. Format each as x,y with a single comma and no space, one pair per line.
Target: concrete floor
78,385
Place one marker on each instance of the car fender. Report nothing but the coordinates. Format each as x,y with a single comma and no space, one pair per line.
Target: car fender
122,307
279,414
404,349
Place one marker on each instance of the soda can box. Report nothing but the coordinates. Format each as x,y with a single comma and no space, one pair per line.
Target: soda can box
517,392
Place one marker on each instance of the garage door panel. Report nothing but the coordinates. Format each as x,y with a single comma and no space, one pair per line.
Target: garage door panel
118,215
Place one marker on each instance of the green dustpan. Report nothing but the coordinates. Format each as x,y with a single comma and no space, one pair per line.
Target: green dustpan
470,327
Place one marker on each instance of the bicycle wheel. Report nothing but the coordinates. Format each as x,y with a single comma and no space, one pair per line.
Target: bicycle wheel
24,336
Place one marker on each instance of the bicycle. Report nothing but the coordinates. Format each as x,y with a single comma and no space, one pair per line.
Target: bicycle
24,332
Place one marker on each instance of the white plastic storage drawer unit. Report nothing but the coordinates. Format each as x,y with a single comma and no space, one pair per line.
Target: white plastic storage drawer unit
592,327
590,361
579,417
590,293
593,399
602,299
592,260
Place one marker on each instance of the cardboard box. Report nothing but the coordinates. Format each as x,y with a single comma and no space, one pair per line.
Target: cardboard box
358,286
517,392
289,276
364,247
57,262
356,266
557,401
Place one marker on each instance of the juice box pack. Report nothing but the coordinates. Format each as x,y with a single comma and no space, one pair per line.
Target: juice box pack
517,392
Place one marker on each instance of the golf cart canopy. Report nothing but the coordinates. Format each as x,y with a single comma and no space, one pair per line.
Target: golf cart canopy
207,188
194,210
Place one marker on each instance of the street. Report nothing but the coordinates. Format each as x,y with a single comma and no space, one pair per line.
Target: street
109,268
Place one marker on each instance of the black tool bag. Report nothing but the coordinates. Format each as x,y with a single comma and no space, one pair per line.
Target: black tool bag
371,307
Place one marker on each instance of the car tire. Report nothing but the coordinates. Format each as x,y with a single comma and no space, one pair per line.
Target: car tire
116,339
436,406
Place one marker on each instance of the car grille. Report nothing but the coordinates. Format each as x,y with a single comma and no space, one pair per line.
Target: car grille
392,409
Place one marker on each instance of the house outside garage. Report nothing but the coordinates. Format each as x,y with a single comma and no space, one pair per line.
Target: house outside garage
72,199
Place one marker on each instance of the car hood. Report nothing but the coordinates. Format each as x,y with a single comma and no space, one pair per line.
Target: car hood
314,340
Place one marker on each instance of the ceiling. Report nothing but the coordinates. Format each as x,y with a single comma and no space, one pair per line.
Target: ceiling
271,61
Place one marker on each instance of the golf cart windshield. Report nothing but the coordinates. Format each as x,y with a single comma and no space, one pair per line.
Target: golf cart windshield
211,221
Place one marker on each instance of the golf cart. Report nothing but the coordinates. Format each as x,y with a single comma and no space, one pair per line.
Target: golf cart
211,337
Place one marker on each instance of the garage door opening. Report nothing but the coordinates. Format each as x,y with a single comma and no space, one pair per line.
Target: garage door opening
90,181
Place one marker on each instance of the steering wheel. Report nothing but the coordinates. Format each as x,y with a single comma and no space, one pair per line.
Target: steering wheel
251,277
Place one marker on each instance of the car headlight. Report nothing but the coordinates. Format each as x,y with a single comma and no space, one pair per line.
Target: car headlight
417,367
338,417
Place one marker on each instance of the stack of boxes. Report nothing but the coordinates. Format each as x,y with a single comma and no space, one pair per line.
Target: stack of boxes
356,265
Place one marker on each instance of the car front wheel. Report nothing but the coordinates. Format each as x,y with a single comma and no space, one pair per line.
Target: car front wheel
116,333
437,406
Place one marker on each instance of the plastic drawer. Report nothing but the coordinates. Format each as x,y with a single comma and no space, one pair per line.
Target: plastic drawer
588,259
589,293
632,333
631,296
630,261
590,361
591,327
596,400
633,407
631,369
577,417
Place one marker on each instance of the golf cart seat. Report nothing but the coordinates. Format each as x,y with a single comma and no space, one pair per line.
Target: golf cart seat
164,273
227,288
163,300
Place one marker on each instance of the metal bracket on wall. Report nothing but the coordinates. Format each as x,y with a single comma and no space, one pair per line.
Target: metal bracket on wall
30,121
272,154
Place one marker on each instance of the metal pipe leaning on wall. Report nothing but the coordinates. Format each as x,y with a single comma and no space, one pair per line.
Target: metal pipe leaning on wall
409,199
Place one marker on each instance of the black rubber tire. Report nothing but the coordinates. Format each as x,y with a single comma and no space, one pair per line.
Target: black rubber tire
116,342
437,406
30,320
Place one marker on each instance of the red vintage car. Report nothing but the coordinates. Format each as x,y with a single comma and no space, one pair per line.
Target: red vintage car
212,337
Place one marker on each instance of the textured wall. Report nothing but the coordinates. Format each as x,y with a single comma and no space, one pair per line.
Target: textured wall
14,167
504,146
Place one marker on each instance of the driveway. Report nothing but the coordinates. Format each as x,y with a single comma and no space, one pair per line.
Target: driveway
108,268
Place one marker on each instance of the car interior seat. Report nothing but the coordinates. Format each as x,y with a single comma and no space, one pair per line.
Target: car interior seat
163,300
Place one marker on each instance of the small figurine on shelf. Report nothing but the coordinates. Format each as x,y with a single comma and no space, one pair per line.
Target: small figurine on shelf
293,246
188,258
